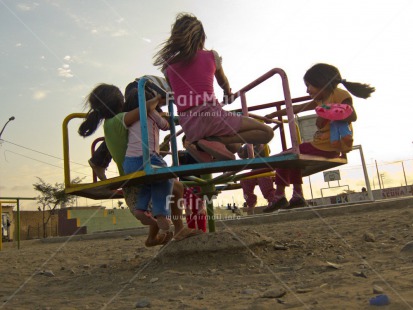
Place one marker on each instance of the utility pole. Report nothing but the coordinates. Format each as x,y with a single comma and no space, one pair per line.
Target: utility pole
378,174
10,119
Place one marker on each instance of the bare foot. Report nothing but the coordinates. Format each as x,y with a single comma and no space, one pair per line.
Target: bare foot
163,222
160,239
186,233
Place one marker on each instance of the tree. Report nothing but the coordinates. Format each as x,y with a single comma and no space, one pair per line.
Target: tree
51,197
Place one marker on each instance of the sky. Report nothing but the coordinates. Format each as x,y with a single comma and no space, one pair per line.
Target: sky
52,54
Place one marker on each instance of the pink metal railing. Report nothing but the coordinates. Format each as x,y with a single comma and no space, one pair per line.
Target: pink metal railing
288,105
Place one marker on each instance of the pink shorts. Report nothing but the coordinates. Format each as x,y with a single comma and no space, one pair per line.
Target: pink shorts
209,120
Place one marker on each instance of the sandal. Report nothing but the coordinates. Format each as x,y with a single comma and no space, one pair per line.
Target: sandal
296,202
186,233
161,239
281,203
216,149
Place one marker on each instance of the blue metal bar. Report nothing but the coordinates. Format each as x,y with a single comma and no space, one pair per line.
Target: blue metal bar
245,163
143,117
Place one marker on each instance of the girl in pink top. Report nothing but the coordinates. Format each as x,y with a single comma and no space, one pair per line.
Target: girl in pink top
190,70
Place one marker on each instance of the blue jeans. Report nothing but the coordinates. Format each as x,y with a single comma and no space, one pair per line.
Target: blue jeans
159,192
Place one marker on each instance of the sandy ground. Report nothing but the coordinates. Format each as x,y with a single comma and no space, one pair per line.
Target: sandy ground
327,260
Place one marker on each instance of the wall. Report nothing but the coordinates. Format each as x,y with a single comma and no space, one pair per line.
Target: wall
101,219
31,225
393,192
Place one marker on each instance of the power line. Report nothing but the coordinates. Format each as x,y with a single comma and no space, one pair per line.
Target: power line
42,153
45,154
43,162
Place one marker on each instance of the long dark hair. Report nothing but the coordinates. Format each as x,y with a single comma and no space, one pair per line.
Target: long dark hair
105,101
187,37
327,77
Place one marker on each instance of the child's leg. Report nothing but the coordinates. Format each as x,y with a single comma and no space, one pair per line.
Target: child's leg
131,195
161,194
100,160
298,199
216,149
282,179
248,186
154,238
251,131
233,148
198,155
188,201
137,198
163,222
101,156
201,221
267,188
190,220
188,215
145,217
198,213
212,123
181,232
177,205
293,176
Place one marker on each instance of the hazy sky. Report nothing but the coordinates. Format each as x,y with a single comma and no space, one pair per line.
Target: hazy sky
52,53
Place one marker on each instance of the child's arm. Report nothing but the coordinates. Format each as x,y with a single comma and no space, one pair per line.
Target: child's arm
353,116
134,116
307,106
223,81
321,122
224,84
159,120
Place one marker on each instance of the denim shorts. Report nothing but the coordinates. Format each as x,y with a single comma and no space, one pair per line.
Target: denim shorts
158,192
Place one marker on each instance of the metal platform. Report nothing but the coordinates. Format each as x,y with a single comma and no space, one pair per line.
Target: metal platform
108,189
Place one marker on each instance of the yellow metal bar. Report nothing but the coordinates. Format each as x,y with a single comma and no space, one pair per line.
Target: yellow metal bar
120,179
66,155
266,150
261,175
209,188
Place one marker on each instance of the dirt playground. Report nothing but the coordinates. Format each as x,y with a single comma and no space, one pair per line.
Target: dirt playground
317,258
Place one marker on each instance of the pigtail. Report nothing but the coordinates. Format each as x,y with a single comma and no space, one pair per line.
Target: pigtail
105,101
358,89
90,124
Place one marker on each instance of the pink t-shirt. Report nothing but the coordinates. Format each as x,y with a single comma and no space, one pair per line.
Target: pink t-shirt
193,83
